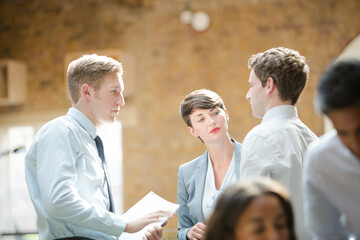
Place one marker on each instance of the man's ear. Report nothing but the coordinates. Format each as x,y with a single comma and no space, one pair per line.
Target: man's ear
192,132
270,86
86,91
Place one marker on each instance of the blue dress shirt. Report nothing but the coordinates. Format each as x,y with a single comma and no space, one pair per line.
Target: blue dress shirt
65,179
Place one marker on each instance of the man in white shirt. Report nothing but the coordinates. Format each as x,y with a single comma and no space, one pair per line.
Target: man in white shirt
276,147
332,165
65,167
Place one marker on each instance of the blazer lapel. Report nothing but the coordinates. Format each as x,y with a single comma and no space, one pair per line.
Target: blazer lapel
200,174
237,158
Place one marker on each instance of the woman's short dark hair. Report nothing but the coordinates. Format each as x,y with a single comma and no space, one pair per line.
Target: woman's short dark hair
199,99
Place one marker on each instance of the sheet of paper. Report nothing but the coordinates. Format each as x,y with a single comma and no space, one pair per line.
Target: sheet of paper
150,203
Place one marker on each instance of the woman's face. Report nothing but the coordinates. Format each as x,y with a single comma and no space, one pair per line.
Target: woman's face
263,219
209,124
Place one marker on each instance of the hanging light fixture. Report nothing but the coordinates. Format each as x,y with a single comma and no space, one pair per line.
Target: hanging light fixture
186,14
199,21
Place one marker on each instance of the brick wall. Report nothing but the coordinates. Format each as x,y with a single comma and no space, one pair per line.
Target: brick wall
171,60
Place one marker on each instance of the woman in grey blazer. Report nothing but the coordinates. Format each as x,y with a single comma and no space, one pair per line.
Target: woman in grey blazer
201,180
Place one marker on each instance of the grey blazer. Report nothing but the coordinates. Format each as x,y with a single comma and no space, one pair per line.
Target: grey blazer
190,190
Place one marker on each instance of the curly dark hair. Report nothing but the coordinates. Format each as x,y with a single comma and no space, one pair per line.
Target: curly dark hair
339,86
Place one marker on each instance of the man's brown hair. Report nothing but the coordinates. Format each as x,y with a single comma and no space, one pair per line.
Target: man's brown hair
286,66
89,69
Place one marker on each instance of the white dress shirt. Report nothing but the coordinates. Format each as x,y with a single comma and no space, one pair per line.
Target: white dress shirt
276,148
65,181
331,189
210,192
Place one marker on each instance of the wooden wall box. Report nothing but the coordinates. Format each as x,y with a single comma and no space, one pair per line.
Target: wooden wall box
13,84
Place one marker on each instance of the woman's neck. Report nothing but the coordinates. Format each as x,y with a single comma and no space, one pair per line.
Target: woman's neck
221,152
221,155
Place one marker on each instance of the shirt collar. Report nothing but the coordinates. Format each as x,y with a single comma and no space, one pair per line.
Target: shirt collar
83,121
282,110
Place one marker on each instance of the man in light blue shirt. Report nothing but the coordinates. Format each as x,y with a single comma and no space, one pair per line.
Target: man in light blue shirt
332,165
65,169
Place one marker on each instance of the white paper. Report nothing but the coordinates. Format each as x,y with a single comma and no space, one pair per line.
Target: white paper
150,203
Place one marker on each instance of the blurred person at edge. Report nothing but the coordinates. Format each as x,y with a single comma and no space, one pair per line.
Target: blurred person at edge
332,164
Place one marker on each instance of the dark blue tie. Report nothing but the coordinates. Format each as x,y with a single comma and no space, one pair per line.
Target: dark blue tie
100,148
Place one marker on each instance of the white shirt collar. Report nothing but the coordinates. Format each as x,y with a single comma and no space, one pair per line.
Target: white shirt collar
282,110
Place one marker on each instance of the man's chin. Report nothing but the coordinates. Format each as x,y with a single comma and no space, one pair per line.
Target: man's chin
255,115
108,121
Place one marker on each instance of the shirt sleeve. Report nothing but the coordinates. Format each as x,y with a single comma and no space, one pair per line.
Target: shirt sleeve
56,172
321,217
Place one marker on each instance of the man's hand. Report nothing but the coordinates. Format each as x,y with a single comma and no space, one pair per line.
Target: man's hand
138,224
197,232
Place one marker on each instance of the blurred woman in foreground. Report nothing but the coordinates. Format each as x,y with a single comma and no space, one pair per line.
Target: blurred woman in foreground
253,210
